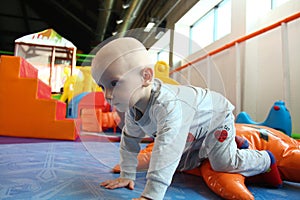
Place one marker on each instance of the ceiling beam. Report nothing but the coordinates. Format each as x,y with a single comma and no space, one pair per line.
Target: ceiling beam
25,15
130,16
103,19
71,15
144,14
161,19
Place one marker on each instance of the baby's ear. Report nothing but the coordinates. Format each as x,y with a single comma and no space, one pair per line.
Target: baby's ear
147,74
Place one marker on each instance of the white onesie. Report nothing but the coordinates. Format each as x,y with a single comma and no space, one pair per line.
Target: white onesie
189,124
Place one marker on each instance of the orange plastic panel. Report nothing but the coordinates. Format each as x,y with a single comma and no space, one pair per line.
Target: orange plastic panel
27,109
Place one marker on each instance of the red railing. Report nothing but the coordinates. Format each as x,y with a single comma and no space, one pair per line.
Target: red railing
239,40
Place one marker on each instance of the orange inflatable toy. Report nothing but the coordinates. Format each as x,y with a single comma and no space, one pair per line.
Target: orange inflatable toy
232,186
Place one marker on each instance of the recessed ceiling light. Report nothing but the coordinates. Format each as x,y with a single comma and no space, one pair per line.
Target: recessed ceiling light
149,26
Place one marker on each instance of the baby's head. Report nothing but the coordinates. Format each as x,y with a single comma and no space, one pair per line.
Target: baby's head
124,68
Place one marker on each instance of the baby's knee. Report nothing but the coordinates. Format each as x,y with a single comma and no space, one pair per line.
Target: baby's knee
222,166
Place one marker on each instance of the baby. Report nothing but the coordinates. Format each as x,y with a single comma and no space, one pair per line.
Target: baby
189,124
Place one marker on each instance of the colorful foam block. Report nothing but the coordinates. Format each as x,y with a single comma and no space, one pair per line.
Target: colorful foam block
26,107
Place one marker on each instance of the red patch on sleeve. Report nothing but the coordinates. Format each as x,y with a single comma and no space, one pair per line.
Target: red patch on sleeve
190,138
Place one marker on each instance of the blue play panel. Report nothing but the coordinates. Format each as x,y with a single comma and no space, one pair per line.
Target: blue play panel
61,170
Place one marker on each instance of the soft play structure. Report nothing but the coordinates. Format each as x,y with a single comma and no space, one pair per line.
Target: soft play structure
92,112
86,103
88,100
278,118
78,84
26,107
50,53
232,186
161,71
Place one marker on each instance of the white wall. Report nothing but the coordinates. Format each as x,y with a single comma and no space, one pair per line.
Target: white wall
272,62
294,60
256,73
263,80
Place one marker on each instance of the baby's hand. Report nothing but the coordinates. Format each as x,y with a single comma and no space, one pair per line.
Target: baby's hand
117,183
141,198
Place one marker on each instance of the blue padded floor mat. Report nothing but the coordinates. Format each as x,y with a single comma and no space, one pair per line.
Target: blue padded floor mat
61,170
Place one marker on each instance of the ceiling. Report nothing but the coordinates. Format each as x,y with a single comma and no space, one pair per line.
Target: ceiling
84,22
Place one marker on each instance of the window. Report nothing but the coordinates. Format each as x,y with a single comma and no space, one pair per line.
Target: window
223,19
212,26
160,51
163,55
202,32
277,3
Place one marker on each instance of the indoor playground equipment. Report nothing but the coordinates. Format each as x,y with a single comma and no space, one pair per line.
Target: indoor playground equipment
278,118
161,71
232,186
92,112
50,53
27,109
78,83
86,102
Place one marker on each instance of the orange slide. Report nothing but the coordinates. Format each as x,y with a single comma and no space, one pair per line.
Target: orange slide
232,186
26,107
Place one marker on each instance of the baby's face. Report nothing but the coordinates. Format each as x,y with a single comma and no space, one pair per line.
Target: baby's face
121,85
